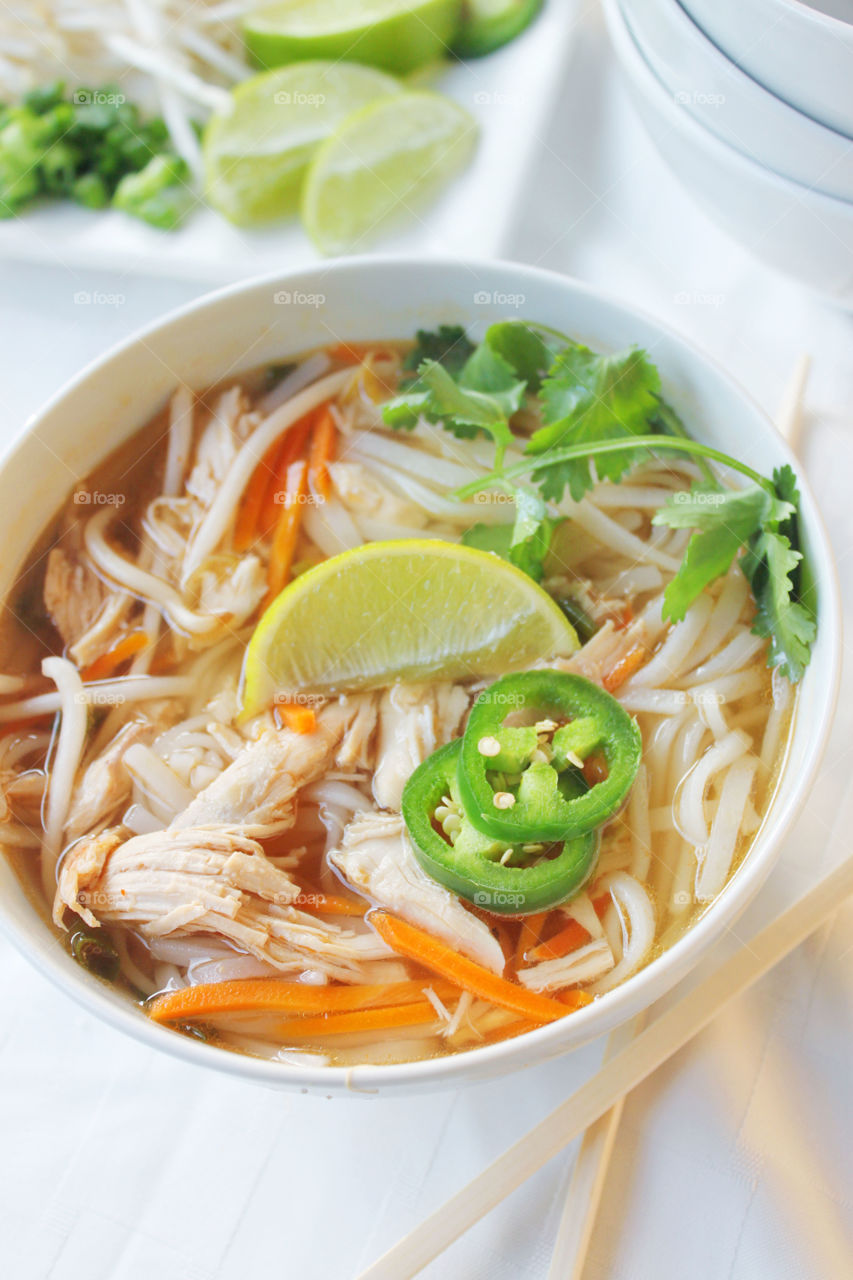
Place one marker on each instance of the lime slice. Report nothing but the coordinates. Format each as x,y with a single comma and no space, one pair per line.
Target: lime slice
408,610
488,24
383,160
398,35
256,153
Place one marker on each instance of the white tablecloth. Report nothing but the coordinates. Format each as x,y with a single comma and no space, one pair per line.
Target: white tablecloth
735,1162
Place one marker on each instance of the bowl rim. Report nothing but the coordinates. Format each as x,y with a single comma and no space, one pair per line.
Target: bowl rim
691,127
720,64
663,972
837,27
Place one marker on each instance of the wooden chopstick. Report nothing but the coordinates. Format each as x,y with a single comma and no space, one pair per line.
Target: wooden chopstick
593,1159
589,1174
789,415
648,1051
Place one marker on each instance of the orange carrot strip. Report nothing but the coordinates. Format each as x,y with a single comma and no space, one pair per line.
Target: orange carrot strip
328,904
291,449
107,663
625,667
574,935
248,517
272,995
575,998
601,903
323,440
531,931
413,943
287,529
340,1024
355,352
347,353
297,719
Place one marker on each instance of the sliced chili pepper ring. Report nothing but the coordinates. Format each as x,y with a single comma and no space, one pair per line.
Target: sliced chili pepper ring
537,801
471,866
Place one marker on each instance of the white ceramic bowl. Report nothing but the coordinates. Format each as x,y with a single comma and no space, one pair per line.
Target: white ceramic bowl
800,232
354,300
802,55
704,83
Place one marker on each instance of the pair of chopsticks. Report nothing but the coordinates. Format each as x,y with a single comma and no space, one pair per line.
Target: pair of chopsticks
632,1055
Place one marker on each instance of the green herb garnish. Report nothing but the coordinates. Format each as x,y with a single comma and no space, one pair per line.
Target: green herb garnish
610,411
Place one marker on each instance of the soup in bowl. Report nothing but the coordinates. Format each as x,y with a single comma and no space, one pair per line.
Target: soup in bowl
402,692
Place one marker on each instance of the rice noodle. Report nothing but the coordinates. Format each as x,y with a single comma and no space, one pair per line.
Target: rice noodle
161,786
299,378
637,919
142,583
66,761
638,821
101,693
690,796
331,527
676,650
734,655
716,858
611,534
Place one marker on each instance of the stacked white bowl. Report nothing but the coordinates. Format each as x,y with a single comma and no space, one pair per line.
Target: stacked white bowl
751,103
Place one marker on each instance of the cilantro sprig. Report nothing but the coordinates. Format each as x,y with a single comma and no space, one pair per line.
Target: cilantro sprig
608,412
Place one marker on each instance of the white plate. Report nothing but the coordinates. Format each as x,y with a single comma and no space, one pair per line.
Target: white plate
509,93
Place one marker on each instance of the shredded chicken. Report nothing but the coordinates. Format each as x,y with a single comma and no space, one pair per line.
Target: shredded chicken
587,962
363,494
105,785
354,751
210,881
87,615
414,719
231,587
377,859
257,790
229,425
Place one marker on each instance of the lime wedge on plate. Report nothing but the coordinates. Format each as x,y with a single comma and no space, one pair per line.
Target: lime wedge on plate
398,35
383,160
488,24
256,152
407,610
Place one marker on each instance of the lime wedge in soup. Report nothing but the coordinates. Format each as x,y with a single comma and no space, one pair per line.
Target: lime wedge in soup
257,150
407,610
383,161
397,35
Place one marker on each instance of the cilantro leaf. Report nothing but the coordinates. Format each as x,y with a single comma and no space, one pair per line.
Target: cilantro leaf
451,402
526,542
449,344
529,352
772,566
765,524
486,371
588,398
484,398
725,520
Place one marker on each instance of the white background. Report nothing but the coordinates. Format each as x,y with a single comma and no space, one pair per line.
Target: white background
734,1163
